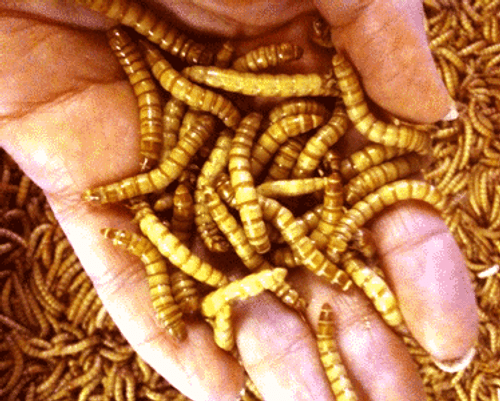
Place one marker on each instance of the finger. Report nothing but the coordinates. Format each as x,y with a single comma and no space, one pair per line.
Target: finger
376,359
428,274
279,351
386,42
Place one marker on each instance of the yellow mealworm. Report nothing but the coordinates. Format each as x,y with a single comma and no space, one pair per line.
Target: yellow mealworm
330,162
148,95
167,311
317,146
164,202
184,291
160,177
225,55
22,193
223,328
265,85
184,90
225,190
242,289
293,106
402,136
19,364
330,358
298,187
173,112
373,178
284,161
267,56
373,203
331,212
284,257
277,134
182,213
377,290
369,156
216,163
303,248
451,56
442,39
147,22
243,183
178,254
363,242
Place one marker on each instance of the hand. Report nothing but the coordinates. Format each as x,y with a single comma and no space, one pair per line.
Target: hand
68,117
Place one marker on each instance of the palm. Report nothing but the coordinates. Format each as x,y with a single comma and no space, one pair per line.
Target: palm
70,121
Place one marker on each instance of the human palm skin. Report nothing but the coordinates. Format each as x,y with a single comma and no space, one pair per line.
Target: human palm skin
68,116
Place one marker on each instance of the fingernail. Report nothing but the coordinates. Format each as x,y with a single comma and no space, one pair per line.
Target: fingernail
452,113
456,365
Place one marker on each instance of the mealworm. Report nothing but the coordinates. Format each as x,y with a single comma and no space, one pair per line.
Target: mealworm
264,85
267,56
285,159
146,22
184,291
22,194
369,156
365,122
216,163
297,187
363,242
330,162
184,90
242,289
317,146
331,212
293,106
243,183
374,177
178,254
173,112
330,358
225,190
160,177
285,257
377,290
49,301
301,245
224,56
167,311
373,203
182,213
148,96
277,134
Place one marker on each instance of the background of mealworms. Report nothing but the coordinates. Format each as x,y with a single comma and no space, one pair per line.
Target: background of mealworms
57,341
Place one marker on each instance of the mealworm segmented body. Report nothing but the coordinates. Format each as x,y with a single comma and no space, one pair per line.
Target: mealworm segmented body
177,253
264,85
373,178
146,22
267,56
277,134
377,290
160,177
184,291
373,203
330,358
147,93
243,183
285,159
167,311
182,213
302,246
317,146
298,187
173,112
369,156
402,136
293,106
184,90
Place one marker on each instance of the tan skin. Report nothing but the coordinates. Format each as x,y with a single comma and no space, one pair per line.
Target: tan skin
69,117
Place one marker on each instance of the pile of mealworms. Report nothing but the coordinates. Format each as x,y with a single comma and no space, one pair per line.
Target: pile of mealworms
235,180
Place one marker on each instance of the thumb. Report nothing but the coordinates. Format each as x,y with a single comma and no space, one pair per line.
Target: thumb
386,42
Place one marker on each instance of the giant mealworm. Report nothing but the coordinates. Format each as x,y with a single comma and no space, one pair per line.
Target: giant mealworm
265,85
148,95
243,183
373,203
267,56
330,358
146,22
402,136
164,174
167,311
